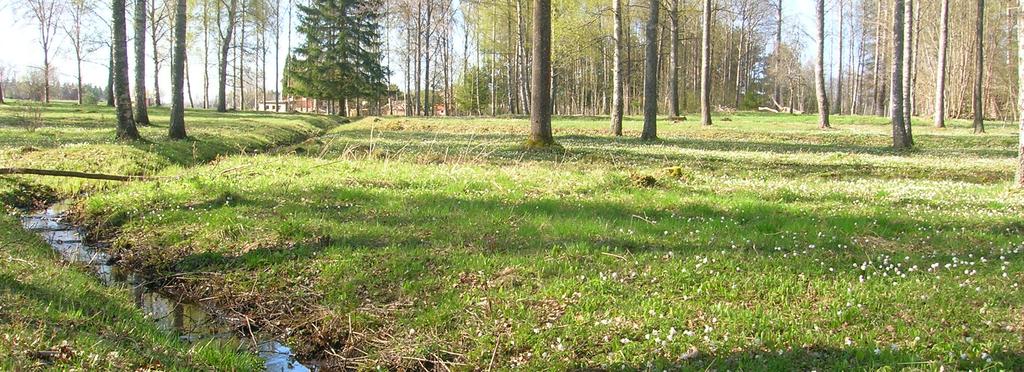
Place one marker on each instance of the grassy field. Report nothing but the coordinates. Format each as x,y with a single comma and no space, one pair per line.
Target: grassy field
70,137
58,316
759,243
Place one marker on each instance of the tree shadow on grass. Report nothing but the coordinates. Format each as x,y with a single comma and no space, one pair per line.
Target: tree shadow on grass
486,225
392,239
632,153
110,320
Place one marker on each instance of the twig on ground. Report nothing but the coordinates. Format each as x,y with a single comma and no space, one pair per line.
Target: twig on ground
73,174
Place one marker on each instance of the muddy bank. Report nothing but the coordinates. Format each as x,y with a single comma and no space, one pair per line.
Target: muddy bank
191,322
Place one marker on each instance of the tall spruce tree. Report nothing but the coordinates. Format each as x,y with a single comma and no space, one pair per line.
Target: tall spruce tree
340,56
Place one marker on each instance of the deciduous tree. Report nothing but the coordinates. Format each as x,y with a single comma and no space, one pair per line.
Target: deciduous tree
819,66
141,111
650,131
979,69
177,126
540,101
48,17
705,66
616,109
940,69
899,134
225,47
125,123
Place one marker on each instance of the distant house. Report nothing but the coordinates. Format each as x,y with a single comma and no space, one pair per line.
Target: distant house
395,108
294,104
364,108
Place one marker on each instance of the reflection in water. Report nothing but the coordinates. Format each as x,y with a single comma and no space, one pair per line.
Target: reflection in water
190,321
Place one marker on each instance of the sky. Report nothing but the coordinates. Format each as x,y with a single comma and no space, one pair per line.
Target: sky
19,48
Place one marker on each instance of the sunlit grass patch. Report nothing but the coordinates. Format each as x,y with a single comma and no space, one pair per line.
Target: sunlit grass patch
759,243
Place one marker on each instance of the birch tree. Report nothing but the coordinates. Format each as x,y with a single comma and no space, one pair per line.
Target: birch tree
940,69
1020,94
225,47
819,66
705,66
78,30
616,126
899,134
141,112
979,66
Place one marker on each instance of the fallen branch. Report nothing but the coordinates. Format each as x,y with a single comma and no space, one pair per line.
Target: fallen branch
60,173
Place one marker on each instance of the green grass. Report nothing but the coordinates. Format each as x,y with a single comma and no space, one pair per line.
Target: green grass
71,137
46,305
759,243
49,306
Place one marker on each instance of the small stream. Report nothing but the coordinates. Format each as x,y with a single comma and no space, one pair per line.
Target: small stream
189,321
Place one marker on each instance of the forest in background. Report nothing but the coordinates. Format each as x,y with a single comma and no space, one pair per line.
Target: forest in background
473,56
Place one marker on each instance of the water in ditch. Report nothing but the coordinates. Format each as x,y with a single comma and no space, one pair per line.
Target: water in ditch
189,321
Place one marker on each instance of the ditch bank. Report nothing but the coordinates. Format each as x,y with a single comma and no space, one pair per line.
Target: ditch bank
192,322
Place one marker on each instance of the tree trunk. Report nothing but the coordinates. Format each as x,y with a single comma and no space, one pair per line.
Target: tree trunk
819,66
408,72
839,77
156,52
241,60
616,127
776,94
523,90
110,77
427,89
78,76
705,67
188,83
177,128
206,54
225,47
540,112
876,92
125,123
979,115
673,57
1020,94
141,112
908,70
650,131
277,57
940,69
46,74
899,136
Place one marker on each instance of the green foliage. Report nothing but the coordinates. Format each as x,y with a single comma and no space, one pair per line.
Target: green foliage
340,56
90,97
472,91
